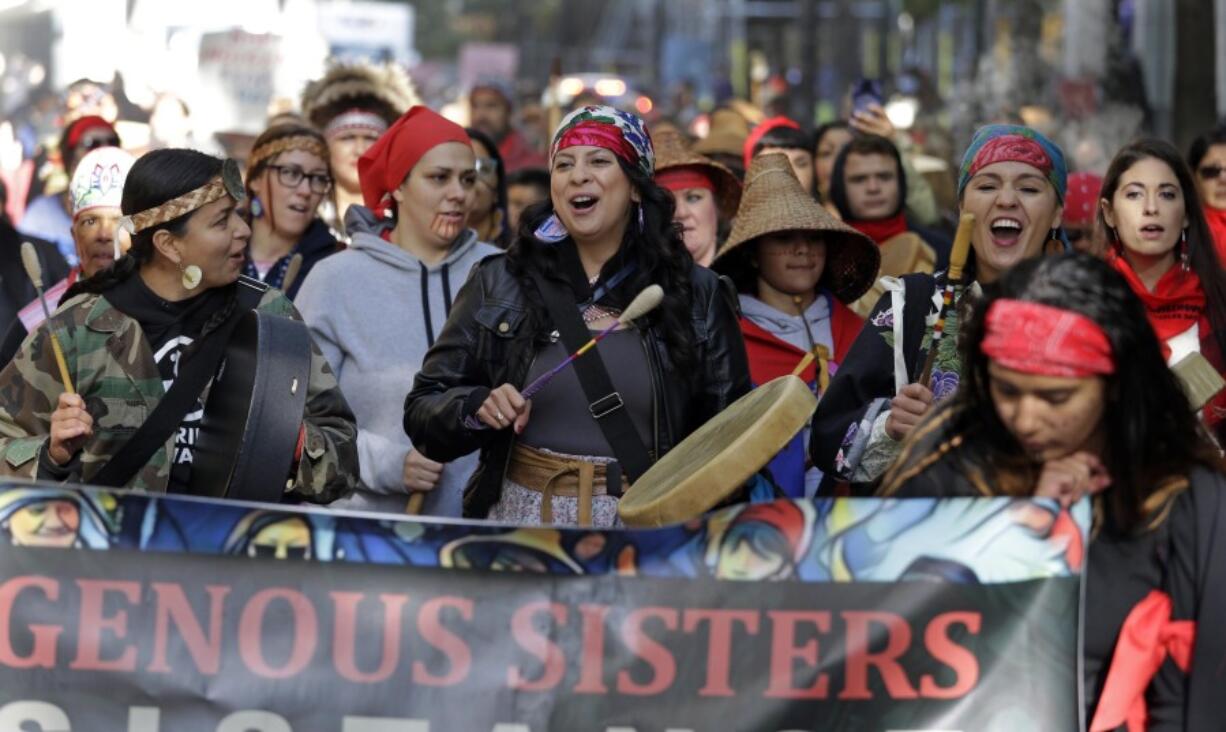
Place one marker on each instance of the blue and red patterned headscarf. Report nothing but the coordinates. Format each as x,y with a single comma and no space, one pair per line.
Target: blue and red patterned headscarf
612,129
1014,143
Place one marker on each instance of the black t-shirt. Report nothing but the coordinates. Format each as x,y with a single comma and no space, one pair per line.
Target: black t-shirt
170,328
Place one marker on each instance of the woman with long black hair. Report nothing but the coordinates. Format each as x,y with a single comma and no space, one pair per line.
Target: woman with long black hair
129,331
1065,393
606,233
1161,244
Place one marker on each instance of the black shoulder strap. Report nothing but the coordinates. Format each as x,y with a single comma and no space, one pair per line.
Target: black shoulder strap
605,403
917,303
194,374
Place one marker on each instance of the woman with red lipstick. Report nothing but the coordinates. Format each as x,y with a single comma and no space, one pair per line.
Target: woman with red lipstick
288,175
376,308
796,268
605,234
1065,394
1162,245
130,331
1013,180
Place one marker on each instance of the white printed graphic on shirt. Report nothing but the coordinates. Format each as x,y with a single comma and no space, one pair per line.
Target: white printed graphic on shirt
167,358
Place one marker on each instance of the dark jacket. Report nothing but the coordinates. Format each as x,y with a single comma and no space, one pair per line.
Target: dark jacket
1182,558
16,290
316,243
488,341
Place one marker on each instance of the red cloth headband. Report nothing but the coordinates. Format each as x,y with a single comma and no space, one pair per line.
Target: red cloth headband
385,164
1046,341
683,178
760,131
1012,148
598,134
84,124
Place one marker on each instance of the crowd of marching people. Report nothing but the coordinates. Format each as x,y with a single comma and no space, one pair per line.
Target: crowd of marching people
1072,348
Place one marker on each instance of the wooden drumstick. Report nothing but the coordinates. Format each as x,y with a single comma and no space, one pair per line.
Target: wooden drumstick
29,258
413,508
646,301
291,272
957,261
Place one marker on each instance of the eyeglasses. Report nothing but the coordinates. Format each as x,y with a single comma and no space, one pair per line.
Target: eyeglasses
291,175
487,168
1211,172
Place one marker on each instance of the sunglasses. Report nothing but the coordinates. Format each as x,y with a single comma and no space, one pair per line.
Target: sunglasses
487,168
1210,172
94,143
1076,235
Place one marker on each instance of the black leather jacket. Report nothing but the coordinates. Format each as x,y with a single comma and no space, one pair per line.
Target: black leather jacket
487,343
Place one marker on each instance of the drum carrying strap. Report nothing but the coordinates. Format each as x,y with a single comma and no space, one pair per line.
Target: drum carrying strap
605,403
194,373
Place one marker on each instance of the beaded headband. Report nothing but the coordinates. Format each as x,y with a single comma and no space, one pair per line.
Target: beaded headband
294,142
229,182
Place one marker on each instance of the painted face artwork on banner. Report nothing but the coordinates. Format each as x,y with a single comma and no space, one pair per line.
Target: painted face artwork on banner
164,613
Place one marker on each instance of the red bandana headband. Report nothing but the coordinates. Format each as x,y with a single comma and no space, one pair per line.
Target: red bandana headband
1046,341
598,134
683,178
1012,148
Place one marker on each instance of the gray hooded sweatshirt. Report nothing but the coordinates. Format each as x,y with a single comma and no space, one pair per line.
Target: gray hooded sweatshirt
374,309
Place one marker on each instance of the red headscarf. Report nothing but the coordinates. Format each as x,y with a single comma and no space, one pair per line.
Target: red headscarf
385,164
78,127
683,178
1040,339
760,131
1081,201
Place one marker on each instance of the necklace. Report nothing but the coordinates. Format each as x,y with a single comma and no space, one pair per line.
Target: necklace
599,312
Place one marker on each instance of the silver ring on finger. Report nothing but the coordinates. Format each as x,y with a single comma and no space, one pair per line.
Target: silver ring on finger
501,418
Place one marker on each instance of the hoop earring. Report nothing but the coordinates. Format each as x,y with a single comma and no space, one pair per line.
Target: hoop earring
1185,253
191,276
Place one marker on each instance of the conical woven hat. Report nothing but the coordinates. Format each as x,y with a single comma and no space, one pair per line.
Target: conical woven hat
728,132
673,152
774,202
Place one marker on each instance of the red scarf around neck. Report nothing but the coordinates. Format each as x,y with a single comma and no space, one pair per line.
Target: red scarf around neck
881,230
1217,225
1176,304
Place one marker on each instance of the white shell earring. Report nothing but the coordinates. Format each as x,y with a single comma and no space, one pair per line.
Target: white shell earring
191,276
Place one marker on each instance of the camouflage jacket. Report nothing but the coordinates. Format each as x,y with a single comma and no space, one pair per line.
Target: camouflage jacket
112,367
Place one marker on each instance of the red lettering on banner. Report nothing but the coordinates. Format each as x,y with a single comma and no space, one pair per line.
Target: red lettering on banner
42,655
459,655
539,645
943,649
93,624
591,658
784,654
171,604
898,635
719,644
305,632
344,636
663,665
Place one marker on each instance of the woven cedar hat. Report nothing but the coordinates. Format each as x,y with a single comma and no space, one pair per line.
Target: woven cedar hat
727,135
673,152
385,90
774,202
